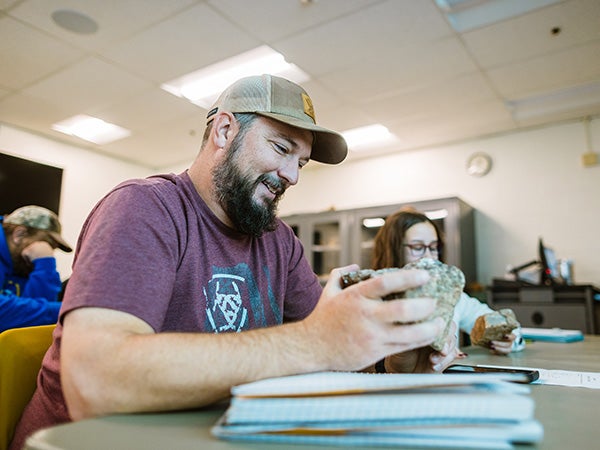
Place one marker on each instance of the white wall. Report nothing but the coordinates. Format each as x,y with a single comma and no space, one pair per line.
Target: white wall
87,176
537,187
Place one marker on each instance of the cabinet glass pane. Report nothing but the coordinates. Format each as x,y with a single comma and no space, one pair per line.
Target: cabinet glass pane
369,226
325,247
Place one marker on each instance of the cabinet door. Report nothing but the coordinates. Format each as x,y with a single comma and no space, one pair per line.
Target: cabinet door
326,249
571,317
452,216
365,225
324,238
338,238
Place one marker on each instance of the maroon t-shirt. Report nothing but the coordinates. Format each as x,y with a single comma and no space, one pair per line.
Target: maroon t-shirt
153,248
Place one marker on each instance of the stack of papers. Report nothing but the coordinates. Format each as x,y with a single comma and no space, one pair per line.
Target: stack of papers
552,334
348,408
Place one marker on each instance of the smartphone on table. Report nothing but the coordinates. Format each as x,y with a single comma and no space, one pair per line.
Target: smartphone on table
529,375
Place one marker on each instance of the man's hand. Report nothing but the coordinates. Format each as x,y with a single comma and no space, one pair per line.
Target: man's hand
352,328
37,249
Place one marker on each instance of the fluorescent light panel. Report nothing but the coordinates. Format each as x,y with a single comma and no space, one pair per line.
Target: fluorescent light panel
91,129
572,99
368,136
465,15
203,86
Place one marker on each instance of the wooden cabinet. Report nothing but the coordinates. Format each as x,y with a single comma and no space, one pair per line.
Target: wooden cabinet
338,238
564,306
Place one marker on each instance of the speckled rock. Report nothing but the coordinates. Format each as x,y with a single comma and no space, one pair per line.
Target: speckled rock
493,327
357,276
445,286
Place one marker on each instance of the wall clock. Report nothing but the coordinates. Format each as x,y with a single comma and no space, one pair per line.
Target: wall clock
479,164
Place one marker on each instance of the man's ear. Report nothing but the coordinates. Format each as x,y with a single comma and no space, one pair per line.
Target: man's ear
224,125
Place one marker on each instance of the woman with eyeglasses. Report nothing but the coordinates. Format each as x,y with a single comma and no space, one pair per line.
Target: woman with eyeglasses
408,236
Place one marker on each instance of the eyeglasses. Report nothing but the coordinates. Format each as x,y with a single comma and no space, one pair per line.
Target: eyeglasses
418,250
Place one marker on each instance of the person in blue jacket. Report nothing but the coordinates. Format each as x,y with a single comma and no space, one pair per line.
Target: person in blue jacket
29,281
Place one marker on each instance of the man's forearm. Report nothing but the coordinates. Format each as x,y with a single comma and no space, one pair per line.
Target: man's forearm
178,370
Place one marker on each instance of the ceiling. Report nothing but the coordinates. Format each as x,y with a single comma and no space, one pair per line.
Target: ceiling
395,62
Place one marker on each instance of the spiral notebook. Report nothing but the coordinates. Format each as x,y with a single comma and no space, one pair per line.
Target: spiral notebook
341,408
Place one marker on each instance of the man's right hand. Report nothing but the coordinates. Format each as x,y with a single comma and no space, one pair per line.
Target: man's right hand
354,327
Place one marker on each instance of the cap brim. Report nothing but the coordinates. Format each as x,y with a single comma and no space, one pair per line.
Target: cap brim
60,242
329,147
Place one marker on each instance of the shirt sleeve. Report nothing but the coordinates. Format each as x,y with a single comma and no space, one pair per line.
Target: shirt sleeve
467,310
44,281
20,312
127,257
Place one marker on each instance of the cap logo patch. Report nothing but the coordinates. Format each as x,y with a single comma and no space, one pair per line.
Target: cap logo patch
308,106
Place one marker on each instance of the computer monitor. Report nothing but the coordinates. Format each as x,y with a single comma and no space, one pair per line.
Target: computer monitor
549,270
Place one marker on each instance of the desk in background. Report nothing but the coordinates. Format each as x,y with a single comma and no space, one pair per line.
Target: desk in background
568,414
571,307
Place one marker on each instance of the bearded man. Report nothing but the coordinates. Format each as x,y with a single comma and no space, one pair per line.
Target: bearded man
186,285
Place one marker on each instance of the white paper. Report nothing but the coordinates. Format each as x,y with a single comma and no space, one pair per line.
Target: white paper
569,378
562,377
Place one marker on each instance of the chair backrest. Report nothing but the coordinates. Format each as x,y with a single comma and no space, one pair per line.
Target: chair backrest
21,354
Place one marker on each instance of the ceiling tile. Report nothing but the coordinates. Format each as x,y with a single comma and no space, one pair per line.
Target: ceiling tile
174,143
6,4
531,35
284,18
115,21
565,68
27,55
382,30
32,112
148,109
91,82
444,97
405,69
467,123
181,44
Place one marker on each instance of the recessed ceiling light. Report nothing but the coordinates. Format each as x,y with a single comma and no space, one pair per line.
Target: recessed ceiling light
74,21
203,86
366,137
465,15
91,129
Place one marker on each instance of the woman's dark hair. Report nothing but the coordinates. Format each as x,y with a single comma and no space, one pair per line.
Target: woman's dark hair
388,250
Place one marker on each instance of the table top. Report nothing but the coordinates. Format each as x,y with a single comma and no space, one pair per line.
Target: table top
568,414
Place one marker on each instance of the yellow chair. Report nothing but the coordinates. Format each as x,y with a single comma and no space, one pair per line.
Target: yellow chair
21,354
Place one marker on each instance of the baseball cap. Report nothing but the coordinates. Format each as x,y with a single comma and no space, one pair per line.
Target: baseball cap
33,216
284,101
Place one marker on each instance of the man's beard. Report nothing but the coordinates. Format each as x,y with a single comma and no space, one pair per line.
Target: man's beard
235,191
